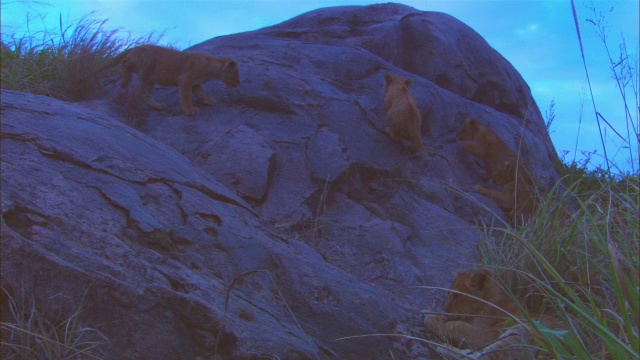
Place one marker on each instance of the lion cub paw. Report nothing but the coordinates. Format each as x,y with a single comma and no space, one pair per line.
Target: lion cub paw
433,322
120,98
393,134
191,111
156,105
207,100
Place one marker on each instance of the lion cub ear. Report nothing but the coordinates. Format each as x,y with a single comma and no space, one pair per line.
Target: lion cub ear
189,57
408,82
387,77
509,165
232,64
477,280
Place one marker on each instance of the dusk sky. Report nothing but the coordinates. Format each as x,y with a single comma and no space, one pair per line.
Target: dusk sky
537,37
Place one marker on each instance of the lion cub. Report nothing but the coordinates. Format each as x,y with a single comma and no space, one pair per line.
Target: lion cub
491,332
470,331
169,67
517,198
402,113
488,148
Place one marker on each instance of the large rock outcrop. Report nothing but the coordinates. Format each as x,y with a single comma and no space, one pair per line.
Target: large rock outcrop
289,179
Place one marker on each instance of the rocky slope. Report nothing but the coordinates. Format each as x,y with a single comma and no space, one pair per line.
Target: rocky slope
285,203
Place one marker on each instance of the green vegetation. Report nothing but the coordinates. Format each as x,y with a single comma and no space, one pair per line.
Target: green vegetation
62,63
578,258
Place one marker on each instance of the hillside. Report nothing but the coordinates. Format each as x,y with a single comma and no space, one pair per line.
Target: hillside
286,196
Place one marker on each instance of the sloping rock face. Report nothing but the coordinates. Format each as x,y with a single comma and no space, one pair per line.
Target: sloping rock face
95,210
283,217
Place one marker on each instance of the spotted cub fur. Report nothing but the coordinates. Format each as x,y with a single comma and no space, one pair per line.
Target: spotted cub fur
517,198
488,332
488,148
403,115
188,71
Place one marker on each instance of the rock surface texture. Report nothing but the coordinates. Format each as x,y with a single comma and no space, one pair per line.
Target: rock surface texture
283,217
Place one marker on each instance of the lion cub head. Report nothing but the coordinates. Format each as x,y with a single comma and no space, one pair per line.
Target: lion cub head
230,74
396,83
203,66
469,130
480,284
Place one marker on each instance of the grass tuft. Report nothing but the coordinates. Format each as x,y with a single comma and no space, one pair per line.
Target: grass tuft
58,63
31,333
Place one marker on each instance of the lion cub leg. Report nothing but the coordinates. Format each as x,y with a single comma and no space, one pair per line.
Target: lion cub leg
200,94
460,333
185,90
478,150
416,140
505,198
125,82
486,176
394,133
147,89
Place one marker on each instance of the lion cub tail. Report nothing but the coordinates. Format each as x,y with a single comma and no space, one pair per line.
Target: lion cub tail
111,63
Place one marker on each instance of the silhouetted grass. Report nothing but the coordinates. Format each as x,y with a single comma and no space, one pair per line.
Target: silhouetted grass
58,63
624,71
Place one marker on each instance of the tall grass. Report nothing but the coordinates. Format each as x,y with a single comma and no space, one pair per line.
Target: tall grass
578,258
58,62
30,333
624,71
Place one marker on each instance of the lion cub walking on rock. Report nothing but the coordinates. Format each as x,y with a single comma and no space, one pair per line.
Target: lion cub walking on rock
402,113
169,67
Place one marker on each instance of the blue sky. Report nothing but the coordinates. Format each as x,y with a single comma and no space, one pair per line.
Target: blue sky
538,37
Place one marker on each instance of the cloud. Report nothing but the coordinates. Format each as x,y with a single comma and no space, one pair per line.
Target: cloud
528,32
